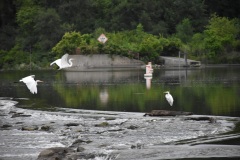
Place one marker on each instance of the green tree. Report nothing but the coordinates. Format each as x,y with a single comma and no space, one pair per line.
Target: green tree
70,41
197,45
8,28
223,8
220,35
80,14
184,31
47,29
177,10
25,19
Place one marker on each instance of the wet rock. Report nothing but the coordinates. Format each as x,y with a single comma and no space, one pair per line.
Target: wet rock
110,118
80,149
33,128
137,146
132,127
55,153
103,124
20,115
78,142
12,112
6,126
210,119
115,130
79,130
45,128
166,113
19,122
82,156
71,124
64,153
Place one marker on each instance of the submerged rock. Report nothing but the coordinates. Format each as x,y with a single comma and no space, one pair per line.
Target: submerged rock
55,153
45,128
103,124
166,113
210,119
137,146
80,149
20,115
64,153
71,124
78,142
6,126
132,127
30,128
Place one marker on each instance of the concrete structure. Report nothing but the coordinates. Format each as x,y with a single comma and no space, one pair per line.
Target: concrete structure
179,62
97,62
149,70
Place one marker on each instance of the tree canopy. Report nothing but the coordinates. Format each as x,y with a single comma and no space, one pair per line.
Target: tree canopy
151,28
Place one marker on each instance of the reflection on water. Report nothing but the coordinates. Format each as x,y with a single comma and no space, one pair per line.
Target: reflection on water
103,77
148,82
103,95
201,91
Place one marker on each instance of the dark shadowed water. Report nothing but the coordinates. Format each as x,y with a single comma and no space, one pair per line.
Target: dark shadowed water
204,91
118,99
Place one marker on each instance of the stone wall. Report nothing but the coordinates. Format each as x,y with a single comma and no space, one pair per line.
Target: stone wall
103,61
179,62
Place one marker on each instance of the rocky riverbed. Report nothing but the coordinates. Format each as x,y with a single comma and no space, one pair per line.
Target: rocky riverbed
84,134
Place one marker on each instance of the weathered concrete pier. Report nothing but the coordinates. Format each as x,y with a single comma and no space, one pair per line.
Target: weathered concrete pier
98,62
179,62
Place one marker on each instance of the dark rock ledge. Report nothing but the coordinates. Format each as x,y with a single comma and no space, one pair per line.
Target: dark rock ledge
167,113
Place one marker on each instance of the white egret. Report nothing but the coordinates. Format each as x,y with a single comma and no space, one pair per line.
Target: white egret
169,98
63,62
31,83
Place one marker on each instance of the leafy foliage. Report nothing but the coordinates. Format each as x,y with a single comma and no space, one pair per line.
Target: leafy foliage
145,28
220,34
184,31
125,43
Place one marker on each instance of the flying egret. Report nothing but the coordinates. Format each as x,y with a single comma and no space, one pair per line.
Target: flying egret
63,62
169,98
31,83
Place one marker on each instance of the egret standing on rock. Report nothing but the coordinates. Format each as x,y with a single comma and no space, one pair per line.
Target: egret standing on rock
31,83
169,98
63,62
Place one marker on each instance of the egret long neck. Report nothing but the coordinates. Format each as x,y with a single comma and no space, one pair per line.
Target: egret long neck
70,63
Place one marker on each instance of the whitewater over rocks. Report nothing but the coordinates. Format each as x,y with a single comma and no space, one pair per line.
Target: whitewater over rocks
85,134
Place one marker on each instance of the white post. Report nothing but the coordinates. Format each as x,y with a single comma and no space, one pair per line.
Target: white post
148,82
149,70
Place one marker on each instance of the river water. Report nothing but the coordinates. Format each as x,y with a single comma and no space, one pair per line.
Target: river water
105,110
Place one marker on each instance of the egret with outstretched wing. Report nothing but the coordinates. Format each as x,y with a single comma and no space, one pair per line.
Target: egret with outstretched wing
63,62
31,83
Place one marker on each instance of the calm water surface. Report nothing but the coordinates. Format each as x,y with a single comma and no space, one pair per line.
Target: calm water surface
204,91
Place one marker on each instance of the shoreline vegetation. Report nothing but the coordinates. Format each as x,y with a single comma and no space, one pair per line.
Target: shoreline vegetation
36,32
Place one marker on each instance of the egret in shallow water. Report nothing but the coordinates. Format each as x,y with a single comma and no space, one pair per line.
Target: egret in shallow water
31,83
63,62
169,98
